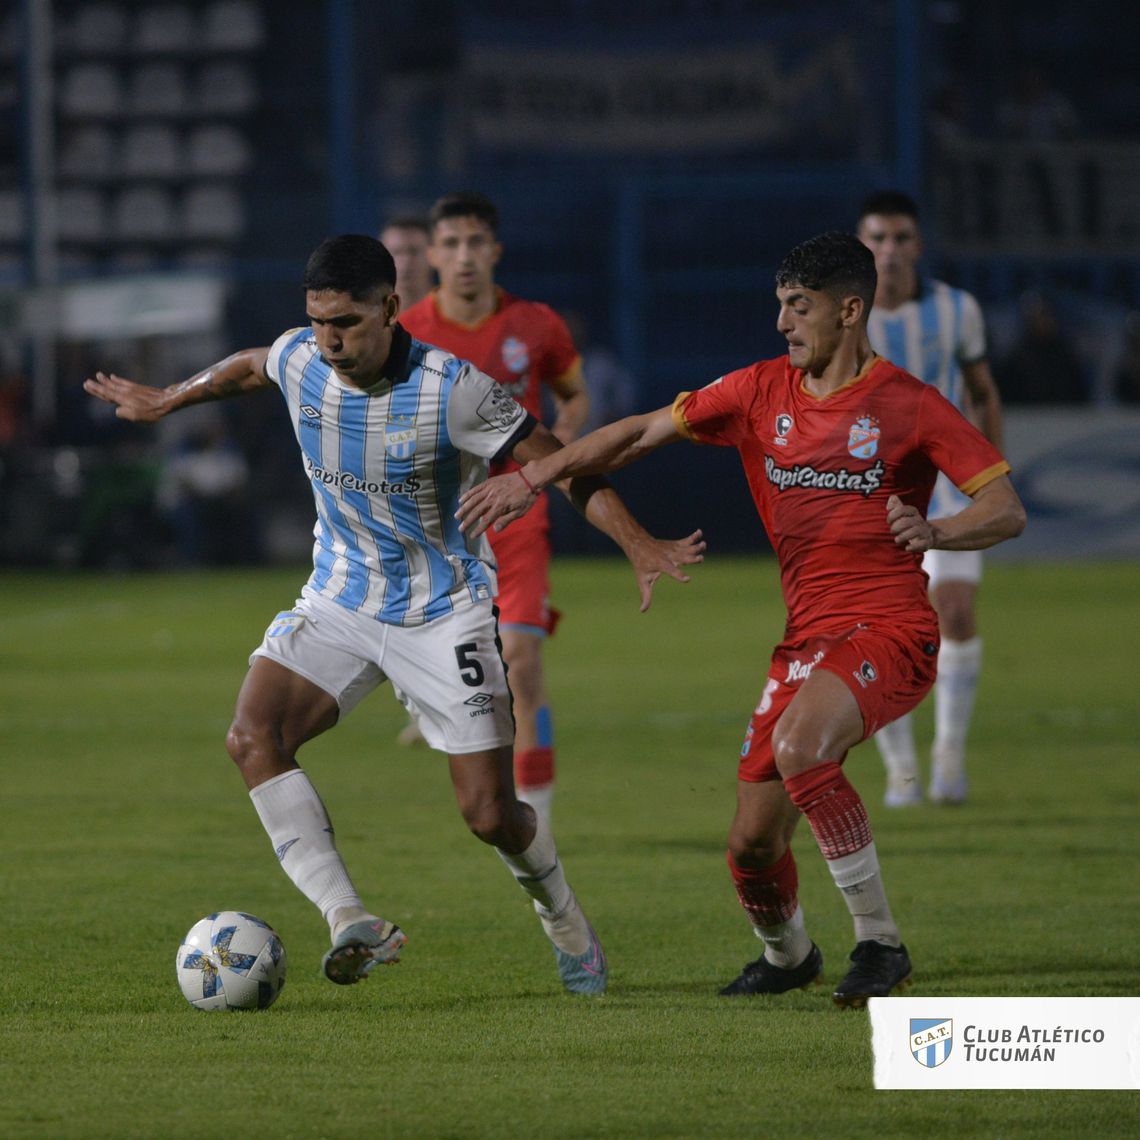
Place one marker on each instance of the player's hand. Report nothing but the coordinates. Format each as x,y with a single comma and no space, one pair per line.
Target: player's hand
138,403
652,557
498,500
911,531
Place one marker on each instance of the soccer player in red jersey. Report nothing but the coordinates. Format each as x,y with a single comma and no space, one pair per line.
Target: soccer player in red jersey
841,450
523,345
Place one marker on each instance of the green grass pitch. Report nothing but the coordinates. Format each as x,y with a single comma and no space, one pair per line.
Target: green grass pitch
123,821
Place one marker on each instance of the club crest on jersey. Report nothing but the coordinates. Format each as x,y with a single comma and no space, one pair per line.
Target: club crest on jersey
400,437
515,355
931,1039
866,674
863,437
784,424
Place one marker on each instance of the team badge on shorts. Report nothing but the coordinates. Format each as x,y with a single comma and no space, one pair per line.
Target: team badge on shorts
515,355
931,1039
286,622
863,437
400,437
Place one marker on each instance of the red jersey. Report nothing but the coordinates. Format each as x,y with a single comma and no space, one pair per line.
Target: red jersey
821,470
522,344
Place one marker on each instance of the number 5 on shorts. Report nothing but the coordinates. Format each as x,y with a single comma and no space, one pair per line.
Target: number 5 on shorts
470,670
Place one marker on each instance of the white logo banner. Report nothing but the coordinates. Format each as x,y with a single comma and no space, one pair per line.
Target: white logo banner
1006,1043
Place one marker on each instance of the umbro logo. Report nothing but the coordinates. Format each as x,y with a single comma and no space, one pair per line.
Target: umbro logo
479,700
311,412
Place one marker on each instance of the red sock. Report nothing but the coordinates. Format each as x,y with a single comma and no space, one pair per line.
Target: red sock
833,808
769,895
534,767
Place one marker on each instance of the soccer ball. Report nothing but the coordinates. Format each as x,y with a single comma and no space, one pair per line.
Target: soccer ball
231,960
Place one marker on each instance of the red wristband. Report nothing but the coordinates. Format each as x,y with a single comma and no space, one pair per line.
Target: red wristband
529,485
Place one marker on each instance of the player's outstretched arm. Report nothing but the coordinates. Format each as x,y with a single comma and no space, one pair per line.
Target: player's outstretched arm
995,514
504,498
236,375
512,495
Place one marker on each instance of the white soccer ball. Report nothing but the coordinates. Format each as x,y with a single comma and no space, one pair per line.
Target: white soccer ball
231,960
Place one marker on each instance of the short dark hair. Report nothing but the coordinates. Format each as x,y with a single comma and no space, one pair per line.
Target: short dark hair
355,264
888,203
466,204
835,263
408,222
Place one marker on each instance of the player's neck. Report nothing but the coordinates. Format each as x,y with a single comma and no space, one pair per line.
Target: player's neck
467,310
850,361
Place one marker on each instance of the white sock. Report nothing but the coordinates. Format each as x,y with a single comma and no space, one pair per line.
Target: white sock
858,877
540,797
302,836
959,665
786,944
896,746
540,874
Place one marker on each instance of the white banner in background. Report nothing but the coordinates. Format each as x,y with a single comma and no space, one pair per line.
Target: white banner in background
1078,472
1006,1043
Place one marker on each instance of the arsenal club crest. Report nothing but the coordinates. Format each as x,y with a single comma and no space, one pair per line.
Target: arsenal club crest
515,355
863,437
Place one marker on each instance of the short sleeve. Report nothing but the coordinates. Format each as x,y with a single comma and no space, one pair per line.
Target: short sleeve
955,446
714,414
972,342
279,353
482,417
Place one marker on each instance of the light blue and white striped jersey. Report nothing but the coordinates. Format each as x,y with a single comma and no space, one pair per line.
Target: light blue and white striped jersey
931,337
387,467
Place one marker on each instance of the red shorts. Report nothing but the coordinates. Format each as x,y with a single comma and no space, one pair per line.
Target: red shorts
888,671
523,554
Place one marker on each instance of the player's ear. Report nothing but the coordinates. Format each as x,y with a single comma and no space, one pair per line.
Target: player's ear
391,308
851,310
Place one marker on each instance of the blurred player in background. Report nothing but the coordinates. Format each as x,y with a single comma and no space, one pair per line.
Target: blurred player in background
934,332
525,346
391,431
841,449
406,238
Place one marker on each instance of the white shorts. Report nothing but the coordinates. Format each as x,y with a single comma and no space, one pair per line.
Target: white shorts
448,673
953,566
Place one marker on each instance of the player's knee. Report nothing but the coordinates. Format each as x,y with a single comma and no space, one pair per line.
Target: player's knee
487,818
754,851
957,622
793,752
249,744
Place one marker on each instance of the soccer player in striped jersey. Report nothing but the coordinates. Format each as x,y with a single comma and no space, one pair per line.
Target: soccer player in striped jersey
391,432
841,449
936,333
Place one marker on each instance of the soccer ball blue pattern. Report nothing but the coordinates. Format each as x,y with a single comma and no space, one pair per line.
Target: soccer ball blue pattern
231,960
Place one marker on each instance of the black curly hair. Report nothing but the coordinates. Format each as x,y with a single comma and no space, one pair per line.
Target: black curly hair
835,263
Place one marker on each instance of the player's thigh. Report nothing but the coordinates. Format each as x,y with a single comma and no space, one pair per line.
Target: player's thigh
522,651
887,670
326,650
277,704
450,674
822,722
